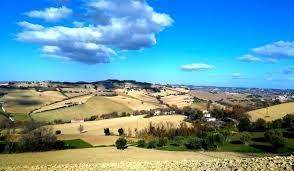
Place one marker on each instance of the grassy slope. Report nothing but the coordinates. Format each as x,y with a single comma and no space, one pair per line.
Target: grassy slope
94,106
274,112
20,102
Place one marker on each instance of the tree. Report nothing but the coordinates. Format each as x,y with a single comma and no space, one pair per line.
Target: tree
288,121
278,123
121,131
194,143
121,143
275,137
81,128
245,138
217,113
106,131
141,143
244,124
260,125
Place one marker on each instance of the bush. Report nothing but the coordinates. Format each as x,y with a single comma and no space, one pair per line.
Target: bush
162,142
151,144
275,137
121,143
244,124
41,139
81,128
260,125
288,121
141,143
276,124
245,138
194,143
121,131
212,140
58,132
106,131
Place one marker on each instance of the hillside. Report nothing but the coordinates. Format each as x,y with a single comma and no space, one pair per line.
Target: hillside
273,112
95,129
96,105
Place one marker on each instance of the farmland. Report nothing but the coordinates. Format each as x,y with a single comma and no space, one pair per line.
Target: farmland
94,130
273,112
94,106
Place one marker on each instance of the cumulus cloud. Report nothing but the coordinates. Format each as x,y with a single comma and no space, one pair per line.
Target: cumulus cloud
196,67
249,58
50,14
30,26
276,49
107,26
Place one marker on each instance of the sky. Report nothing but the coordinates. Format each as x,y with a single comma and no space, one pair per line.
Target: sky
232,43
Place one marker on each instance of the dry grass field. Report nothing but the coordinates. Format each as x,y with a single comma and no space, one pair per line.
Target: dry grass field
132,103
74,100
95,129
96,105
24,101
179,100
273,112
108,154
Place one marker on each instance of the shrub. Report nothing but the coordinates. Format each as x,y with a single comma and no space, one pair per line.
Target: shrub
212,140
121,143
141,143
194,143
106,131
121,131
245,138
288,121
244,124
58,132
162,142
260,125
41,139
275,137
151,144
81,128
278,123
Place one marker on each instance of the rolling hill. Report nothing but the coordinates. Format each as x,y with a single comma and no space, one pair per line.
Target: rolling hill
273,112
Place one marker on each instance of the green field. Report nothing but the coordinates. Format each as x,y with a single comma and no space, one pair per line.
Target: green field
96,105
77,143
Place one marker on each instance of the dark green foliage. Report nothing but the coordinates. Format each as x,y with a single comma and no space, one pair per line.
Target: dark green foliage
260,125
275,137
213,140
245,137
288,121
194,143
217,113
121,131
141,143
121,143
106,131
151,144
276,124
162,142
76,143
244,124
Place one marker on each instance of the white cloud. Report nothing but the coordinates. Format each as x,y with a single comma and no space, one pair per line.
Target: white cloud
112,24
276,49
236,76
249,58
50,14
30,26
196,67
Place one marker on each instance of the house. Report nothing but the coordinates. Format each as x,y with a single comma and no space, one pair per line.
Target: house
207,116
157,112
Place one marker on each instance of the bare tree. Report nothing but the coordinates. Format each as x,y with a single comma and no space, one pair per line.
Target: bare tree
81,128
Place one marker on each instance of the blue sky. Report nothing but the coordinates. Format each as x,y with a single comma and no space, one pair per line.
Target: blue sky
212,42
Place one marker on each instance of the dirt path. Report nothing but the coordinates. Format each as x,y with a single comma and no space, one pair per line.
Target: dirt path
109,154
